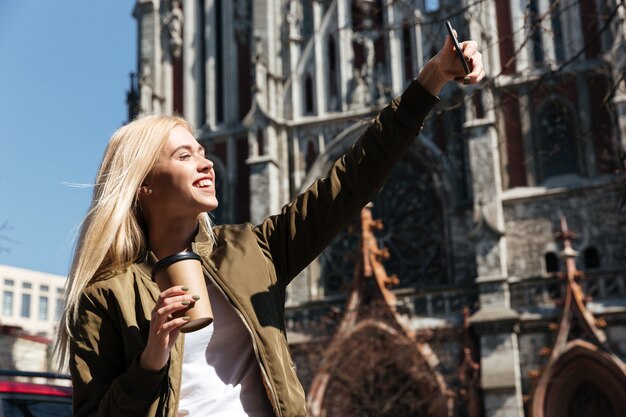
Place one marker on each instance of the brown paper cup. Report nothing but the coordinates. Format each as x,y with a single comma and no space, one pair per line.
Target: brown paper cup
185,269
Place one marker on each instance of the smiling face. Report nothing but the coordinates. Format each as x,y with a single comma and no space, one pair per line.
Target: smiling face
182,181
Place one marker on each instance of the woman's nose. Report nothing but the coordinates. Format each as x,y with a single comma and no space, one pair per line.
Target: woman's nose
206,164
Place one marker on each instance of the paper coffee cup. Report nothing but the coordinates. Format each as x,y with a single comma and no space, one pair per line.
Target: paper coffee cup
185,269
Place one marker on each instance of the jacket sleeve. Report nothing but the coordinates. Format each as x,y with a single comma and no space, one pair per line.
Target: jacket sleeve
103,383
293,238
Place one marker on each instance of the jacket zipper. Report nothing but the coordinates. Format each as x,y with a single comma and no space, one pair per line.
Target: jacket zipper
254,344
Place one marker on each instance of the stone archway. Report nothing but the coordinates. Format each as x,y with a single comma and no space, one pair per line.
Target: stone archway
582,378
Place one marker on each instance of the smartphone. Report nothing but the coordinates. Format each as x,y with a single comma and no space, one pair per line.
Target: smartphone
459,53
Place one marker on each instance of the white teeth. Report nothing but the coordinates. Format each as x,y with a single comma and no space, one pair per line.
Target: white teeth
204,183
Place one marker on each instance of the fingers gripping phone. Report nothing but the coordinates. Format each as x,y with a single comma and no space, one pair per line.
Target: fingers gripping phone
457,47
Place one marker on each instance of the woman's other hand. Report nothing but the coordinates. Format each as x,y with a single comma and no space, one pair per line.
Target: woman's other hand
164,328
445,66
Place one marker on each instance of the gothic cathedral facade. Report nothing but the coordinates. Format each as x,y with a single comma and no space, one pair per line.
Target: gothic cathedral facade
473,215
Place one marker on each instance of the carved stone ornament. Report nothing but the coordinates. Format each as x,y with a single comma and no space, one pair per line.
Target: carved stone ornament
173,22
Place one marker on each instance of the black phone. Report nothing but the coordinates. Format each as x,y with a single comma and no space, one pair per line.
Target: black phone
459,53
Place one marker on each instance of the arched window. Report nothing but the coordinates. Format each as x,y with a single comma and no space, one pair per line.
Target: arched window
552,262
591,258
556,148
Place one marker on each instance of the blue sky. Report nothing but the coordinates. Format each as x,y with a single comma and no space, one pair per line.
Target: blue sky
63,81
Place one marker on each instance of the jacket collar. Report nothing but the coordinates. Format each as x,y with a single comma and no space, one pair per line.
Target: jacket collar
202,244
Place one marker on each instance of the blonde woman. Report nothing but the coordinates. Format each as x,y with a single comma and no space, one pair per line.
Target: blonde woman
153,190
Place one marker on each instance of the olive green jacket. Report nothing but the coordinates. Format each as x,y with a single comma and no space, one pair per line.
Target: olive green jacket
251,265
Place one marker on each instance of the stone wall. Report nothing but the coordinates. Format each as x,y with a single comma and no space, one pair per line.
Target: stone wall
592,213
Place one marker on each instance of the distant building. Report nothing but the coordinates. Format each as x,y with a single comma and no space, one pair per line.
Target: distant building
32,301
277,89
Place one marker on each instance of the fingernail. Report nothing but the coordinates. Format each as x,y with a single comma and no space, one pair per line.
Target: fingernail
466,80
195,297
184,288
186,318
185,303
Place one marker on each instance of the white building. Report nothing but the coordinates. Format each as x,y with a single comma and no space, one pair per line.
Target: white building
31,300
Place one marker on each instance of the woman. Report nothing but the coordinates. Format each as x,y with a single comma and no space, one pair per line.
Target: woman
154,187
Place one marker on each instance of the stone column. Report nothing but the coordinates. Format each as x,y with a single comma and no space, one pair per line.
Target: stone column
210,43
191,68
346,58
320,104
149,56
294,17
395,48
495,322
263,183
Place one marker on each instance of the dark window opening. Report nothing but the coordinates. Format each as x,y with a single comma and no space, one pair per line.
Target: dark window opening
557,33
308,95
219,59
535,31
552,262
333,90
367,15
260,141
477,103
591,258
307,19
311,155
440,132
358,55
407,51
556,151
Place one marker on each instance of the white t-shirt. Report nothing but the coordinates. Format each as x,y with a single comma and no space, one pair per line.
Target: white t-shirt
220,375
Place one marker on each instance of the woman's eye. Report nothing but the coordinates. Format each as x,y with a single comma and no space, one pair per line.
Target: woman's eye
184,156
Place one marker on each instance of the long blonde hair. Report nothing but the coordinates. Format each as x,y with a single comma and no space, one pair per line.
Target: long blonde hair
112,235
